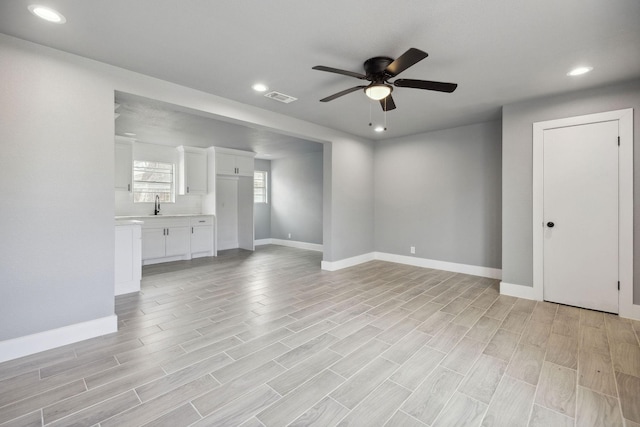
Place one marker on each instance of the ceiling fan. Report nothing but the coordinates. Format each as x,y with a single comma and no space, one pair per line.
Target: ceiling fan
379,69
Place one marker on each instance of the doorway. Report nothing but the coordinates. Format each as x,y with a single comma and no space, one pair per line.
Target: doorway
583,211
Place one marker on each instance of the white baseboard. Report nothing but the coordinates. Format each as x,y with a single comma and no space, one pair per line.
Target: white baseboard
474,270
492,273
41,341
519,291
347,262
261,242
295,244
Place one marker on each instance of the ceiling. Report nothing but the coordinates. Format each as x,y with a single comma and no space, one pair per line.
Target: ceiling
157,122
498,51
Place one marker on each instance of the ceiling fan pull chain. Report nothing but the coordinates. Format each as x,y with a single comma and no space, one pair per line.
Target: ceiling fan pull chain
385,113
370,122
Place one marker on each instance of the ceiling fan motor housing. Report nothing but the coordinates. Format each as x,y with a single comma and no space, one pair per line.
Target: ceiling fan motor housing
375,68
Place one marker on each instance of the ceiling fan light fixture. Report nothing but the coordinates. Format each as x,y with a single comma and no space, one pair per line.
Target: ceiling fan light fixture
378,91
379,129
47,14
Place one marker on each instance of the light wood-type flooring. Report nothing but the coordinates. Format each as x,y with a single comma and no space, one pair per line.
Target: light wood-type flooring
268,339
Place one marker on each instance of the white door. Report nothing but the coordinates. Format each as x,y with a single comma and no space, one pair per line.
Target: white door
581,215
227,212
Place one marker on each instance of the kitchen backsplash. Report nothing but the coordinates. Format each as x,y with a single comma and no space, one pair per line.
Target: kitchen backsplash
184,205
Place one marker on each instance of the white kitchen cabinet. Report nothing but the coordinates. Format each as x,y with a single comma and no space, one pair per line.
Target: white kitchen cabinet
153,243
202,236
230,197
234,162
192,171
177,241
165,239
178,237
128,261
123,164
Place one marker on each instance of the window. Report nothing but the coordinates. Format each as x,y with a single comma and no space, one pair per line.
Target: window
151,179
260,187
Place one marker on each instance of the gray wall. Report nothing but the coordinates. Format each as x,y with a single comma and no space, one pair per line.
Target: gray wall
262,211
351,217
296,198
56,181
441,192
517,169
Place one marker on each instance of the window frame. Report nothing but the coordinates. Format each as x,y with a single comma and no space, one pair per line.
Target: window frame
265,187
136,184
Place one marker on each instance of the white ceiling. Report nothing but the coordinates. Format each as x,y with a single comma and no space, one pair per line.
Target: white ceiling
498,51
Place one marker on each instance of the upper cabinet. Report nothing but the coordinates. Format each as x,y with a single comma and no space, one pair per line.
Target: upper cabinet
192,171
234,162
123,163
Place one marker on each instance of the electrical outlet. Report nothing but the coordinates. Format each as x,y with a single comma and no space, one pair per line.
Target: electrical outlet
413,249
289,235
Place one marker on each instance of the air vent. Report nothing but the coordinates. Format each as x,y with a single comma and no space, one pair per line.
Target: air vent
280,97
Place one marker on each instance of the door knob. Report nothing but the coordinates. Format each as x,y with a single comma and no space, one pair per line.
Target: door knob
550,224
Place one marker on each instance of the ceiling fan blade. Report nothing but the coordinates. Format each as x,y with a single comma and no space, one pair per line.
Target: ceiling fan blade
406,60
426,84
339,94
337,71
387,103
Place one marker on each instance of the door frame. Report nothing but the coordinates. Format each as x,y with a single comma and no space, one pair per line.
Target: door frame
625,202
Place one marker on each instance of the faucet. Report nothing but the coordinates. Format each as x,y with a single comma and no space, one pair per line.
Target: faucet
156,211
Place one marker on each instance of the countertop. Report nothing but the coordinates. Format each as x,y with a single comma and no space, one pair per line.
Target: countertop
120,222
130,217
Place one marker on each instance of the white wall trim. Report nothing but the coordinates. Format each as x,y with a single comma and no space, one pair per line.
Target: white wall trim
260,242
295,244
519,291
347,262
625,234
475,270
493,273
41,341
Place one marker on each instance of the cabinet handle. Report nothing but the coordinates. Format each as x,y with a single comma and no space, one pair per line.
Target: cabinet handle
128,187
191,230
167,231
187,189
164,231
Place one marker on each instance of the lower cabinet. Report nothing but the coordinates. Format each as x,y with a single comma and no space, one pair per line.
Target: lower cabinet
128,266
202,236
165,242
177,238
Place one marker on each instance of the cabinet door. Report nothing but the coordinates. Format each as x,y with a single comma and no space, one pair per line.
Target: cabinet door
152,243
244,165
177,241
196,173
201,239
225,164
227,213
123,166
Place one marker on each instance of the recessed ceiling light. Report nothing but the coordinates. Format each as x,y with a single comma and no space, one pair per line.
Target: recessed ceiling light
259,87
579,71
379,129
130,134
47,14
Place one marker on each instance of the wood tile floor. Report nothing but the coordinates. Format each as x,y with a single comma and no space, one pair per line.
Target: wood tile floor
268,339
